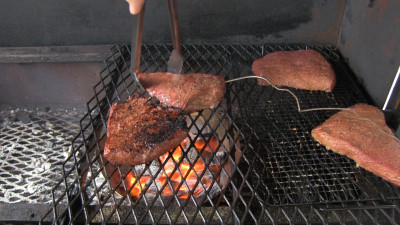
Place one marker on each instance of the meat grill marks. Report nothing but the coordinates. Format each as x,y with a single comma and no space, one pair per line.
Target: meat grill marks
302,69
189,92
362,135
139,132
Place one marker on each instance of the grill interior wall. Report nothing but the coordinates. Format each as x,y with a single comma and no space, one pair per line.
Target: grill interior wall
369,38
74,36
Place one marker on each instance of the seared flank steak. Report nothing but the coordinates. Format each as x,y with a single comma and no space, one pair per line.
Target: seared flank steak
139,132
301,69
362,135
189,92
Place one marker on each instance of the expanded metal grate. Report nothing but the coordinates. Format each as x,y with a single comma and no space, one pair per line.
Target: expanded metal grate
275,171
34,144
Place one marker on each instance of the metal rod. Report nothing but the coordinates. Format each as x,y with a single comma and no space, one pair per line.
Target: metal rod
173,20
136,47
137,42
360,207
394,84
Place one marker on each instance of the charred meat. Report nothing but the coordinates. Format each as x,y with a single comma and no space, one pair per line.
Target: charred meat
139,132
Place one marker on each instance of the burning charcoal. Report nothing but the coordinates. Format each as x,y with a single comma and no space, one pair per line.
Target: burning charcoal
59,139
24,117
192,154
8,195
152,170
49,125
46,166
49,144
39,170
66,154
41,165
36,162
221,156
169,165
73,190
34,131
7,122
4,152
201,175
36,128
32,188
67,149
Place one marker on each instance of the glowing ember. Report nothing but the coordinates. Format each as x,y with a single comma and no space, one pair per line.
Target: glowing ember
199,168
184,177
138,186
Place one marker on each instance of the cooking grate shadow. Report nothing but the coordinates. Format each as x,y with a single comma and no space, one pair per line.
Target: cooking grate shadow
279,174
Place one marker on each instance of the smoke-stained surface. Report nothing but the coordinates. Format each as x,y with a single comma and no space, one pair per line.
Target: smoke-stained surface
370,39
97,22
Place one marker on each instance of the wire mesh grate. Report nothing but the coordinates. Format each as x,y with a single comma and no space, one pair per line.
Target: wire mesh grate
34,143
274,171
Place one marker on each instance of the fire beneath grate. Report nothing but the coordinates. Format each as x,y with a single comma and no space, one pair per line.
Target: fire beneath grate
254,162
197,168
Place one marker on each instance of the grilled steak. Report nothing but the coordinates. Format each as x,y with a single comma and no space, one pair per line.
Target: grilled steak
139,132
362,135
189,92
302,69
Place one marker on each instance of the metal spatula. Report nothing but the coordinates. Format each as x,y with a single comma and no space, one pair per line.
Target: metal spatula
175,61
136,47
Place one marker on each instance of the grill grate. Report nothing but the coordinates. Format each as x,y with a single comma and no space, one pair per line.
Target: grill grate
34,143
279,173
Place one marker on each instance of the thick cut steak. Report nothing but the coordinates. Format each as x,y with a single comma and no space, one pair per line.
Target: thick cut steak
362,135
301,69
139,132
189,92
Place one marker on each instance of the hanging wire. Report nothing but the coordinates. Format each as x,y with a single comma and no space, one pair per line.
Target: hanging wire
312,109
